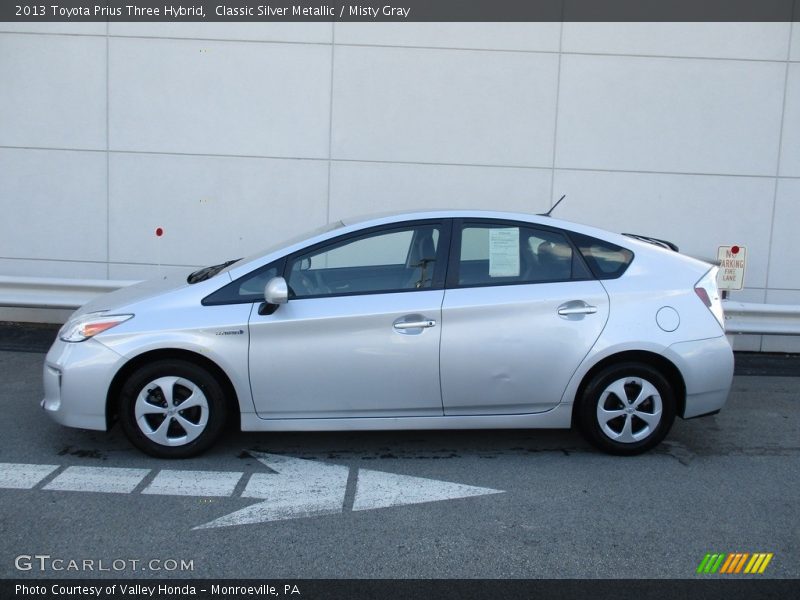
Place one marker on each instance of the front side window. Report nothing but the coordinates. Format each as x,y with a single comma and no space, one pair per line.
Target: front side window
401,259
507,254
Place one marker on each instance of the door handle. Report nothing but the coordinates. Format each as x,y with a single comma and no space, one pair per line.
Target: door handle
415,324
586,309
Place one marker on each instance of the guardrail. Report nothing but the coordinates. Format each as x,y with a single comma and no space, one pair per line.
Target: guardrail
761,319
46,292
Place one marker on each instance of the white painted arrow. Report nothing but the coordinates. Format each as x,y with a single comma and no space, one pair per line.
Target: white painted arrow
376,489
306,488
300,488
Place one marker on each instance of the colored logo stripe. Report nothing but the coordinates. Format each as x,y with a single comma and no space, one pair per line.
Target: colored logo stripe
758,563
710,563
734,562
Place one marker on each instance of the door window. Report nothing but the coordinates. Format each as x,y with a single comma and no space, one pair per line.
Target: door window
249,288
508,254
606,260
402,259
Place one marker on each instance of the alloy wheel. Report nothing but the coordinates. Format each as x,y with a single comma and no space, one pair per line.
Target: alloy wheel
629,410
171,411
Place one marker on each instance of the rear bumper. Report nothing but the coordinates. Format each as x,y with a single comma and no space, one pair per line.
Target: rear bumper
707,369
76,379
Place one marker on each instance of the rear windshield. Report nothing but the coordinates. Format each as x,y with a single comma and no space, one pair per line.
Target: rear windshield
606,260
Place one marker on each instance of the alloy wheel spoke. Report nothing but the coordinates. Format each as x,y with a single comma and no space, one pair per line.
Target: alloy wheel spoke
618,389
648,390
626,435
144,407
192,429
159,435
167,386
604,416
652,419
196,399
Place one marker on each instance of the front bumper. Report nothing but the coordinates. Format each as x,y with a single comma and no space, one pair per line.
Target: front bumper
707,369
76,381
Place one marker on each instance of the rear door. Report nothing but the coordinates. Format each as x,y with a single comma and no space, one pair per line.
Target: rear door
521,311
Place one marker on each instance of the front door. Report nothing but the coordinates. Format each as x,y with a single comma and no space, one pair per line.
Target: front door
360,334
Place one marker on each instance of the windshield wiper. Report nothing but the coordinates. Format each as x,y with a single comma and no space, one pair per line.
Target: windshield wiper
209,272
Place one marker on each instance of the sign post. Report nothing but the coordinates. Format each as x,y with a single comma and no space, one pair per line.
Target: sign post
732,260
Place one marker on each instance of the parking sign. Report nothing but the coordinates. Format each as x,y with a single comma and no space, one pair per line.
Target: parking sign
731,267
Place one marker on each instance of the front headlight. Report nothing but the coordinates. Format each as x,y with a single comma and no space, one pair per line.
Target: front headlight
85,326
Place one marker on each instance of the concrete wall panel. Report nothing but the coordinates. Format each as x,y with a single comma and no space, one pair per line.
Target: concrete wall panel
53,205
205,97
363,188
669,115
53,91
444,106
211,209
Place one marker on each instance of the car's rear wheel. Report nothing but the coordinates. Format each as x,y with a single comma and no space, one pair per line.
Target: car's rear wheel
626,409
172,409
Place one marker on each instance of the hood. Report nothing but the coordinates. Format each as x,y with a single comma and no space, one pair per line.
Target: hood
132,294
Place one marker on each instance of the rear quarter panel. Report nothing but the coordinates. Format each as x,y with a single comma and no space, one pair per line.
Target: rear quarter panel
655,279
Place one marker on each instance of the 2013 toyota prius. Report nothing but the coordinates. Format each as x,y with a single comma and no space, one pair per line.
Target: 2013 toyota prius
436,320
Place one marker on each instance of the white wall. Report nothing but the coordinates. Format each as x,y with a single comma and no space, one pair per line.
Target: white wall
230,135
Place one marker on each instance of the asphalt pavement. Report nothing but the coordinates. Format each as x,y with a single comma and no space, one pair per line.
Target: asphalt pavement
451,504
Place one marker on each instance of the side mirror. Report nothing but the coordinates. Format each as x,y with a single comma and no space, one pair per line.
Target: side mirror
276,291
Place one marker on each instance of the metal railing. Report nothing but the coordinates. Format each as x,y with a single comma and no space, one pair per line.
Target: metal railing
45,292
761,319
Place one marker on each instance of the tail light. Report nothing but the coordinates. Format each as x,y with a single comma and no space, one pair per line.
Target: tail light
708,292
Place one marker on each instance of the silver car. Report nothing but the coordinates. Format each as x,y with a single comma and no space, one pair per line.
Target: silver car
435,320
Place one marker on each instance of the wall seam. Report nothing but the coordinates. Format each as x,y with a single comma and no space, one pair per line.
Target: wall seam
108,156
558,100
778,162
401,162
777,176
330,122
405,46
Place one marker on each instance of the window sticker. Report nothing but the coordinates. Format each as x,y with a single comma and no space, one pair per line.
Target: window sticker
504,252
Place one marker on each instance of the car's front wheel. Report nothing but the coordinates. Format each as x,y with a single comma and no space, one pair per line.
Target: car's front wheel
626,409
172,409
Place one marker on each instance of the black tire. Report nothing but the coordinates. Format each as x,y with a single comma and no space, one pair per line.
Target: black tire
186,373
589,422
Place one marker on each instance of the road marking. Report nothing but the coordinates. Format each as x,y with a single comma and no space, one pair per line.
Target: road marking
299,488
295,487
109,480
18,476
377,489
193,483
304,488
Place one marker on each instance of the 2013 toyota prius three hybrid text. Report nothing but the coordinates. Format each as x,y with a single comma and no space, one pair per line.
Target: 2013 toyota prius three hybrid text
435,320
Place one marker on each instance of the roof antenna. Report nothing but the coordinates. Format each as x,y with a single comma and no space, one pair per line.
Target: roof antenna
547,214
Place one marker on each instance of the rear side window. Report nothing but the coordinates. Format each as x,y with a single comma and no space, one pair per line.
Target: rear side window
606,260
496,254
